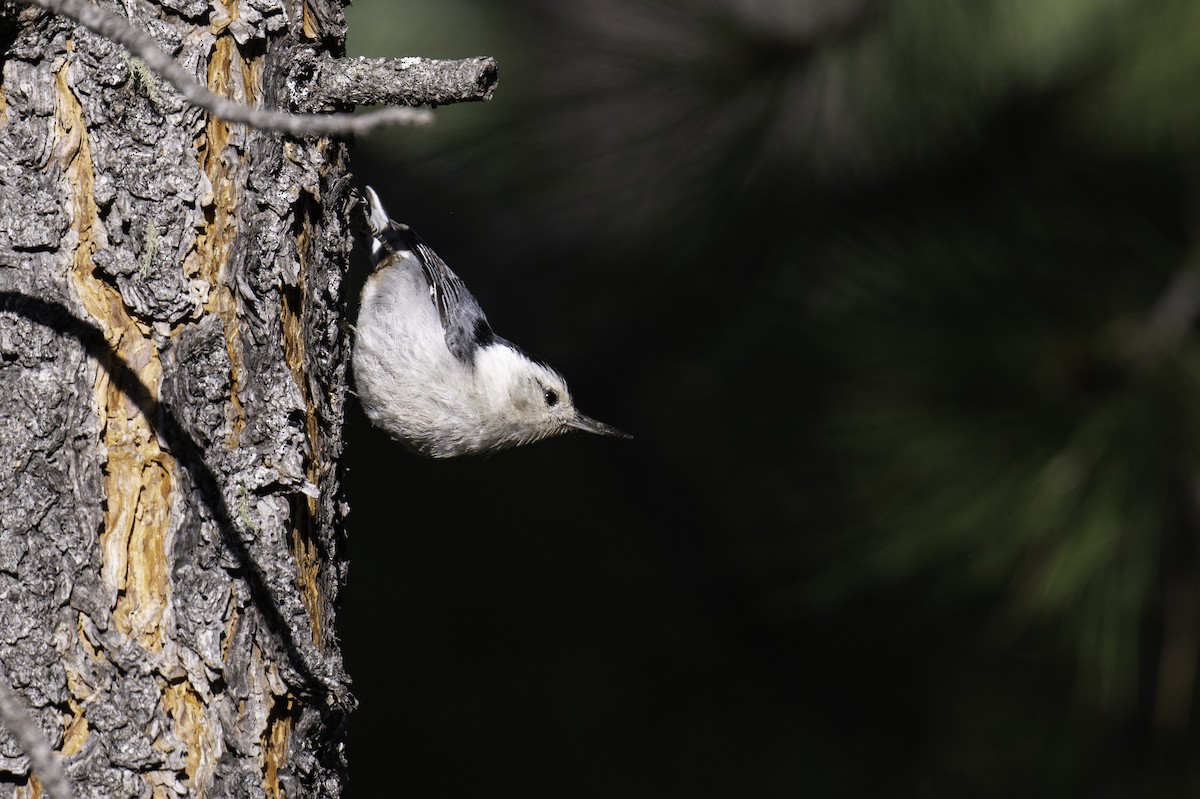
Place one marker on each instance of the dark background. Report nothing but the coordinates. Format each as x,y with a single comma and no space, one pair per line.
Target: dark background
899,300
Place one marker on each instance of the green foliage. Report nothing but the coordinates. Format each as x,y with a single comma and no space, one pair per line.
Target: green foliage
906,295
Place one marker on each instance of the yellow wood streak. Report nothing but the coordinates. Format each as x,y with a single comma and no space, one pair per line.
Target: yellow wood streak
76,724
292,318
31,790
187,708
302,542
76,728
303,509
252,74
275,744
309,23
215,243
138,475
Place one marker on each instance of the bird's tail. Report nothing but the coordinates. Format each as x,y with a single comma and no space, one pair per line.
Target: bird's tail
376,215
387,237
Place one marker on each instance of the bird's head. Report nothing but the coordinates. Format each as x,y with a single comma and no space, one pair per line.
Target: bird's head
529,400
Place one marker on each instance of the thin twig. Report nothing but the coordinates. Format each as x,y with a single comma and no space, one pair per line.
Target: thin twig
32,740
140,44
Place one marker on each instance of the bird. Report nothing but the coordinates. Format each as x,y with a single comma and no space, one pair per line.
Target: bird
430,371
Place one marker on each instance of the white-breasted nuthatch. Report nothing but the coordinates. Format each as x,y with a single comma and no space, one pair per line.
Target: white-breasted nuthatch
430,371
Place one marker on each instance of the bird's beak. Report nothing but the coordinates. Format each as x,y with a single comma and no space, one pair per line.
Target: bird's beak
588,425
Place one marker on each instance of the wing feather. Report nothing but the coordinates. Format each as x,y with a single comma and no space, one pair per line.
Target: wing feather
464,322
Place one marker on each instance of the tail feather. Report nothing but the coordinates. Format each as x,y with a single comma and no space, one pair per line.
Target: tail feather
377,216
387,237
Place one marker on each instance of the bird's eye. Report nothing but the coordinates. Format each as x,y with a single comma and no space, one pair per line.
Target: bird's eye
551,397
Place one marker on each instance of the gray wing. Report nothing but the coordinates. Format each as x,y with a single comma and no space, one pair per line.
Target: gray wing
466,326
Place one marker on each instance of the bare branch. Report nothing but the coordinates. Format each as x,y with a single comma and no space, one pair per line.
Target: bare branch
23,727
393,81
142,45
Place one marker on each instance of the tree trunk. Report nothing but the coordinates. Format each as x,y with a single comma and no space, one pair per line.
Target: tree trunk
172,373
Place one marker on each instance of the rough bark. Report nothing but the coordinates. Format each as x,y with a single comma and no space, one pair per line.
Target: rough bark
172,373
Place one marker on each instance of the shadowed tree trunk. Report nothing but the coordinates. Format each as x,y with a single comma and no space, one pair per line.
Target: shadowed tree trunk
172,374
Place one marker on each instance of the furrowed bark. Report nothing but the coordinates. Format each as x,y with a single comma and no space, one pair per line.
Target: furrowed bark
173,361
172,365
